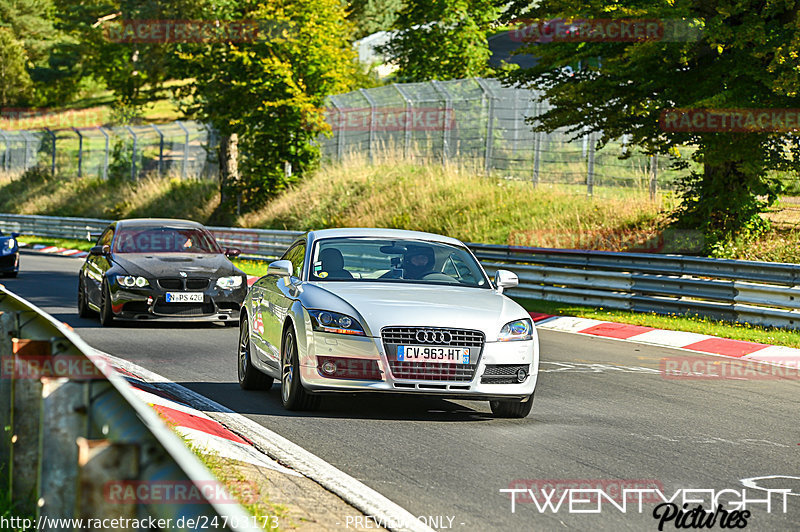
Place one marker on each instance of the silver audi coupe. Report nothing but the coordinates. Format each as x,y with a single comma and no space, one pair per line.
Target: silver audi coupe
384,310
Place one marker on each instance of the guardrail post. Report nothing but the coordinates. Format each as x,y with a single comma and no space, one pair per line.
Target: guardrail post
63,421
653,176
185,149
80,150
101,462
160,149
25,424
133,152
590,166
105,156
7,326
371,102
409,104
487,156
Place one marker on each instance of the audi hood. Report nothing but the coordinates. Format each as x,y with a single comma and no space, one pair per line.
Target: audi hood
385,304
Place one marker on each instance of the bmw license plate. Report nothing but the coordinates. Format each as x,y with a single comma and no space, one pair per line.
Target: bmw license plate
441,355
184,297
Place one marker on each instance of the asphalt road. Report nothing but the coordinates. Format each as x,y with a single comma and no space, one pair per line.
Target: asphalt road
603,412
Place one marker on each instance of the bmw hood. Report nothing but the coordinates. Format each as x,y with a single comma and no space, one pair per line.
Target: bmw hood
384,304
193,264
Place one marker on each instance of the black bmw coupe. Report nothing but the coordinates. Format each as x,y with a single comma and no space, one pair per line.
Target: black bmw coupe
160,268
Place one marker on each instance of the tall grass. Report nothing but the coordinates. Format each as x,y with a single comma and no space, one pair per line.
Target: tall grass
454,201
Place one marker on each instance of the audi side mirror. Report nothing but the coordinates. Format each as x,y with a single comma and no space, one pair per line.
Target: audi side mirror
505,279
281,268
100,251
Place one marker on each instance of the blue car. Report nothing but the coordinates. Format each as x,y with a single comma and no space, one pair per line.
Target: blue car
9,255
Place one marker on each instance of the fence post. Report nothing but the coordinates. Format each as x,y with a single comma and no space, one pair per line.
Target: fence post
53,151
340,132
489,125
160,149
590,165
407,122
448,109
80,150
371,102
7,156
133,152
185,149
27,148
653,176
105,156
537,146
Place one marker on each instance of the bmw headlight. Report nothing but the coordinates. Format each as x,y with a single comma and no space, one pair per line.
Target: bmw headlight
129,281
516,330
333,322
229,283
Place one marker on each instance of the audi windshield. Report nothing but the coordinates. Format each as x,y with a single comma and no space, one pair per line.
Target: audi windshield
386,260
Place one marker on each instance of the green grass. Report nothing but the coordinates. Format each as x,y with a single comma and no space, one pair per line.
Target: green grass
83,245
696,324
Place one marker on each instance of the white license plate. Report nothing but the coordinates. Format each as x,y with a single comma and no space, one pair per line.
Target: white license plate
184,297
440,355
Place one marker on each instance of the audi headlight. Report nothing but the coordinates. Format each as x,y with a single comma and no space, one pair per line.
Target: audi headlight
229,283
516,330
333,322
129,281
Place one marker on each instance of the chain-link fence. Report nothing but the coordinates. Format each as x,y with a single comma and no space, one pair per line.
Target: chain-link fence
185,149
481,123
475,122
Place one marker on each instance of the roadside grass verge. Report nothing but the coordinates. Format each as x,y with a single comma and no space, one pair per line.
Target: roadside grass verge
460,203
686,323
36,192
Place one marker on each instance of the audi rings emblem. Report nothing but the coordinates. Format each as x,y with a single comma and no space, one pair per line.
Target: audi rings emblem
429,336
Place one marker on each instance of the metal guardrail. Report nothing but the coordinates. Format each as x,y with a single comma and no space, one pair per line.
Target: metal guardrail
71,421
763,293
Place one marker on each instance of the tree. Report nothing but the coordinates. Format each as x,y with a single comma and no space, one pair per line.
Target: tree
744,56
442,39
370,16
269,93
15,83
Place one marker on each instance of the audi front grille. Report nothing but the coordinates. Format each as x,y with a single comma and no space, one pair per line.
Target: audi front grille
432,371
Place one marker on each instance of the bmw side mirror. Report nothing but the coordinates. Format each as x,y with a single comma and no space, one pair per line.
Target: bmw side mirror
505,279
281,268
100,251
232,253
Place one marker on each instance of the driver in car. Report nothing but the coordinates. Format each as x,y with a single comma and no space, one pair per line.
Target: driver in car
418,261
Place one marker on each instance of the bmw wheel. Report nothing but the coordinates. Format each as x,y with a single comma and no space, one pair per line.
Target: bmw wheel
512,409
249,377
293,395
83,308
106,314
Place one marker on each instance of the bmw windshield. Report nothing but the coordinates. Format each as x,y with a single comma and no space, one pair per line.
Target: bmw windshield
398,261
164,240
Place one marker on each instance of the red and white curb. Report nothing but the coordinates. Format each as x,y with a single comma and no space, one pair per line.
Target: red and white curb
215,428
699,343
78,254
